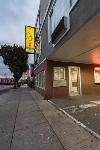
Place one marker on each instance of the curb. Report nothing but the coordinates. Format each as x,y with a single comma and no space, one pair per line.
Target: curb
76,121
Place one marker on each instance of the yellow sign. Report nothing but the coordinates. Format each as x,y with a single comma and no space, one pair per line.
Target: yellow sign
29,39
32,43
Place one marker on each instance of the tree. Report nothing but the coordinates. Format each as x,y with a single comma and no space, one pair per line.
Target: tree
16,59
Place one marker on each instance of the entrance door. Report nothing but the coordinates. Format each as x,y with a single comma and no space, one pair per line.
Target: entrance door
74,81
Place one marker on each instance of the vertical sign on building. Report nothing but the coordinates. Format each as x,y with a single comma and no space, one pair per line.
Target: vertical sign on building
37,42
29,39
32,42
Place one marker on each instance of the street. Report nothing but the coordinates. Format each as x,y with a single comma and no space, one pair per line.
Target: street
27,122
85,109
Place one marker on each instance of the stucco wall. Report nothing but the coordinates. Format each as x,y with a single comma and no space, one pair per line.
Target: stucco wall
83,11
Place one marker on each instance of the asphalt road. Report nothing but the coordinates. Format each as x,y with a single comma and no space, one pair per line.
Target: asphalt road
85,109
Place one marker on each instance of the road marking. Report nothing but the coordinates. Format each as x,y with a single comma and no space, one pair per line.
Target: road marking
96,102
85,106
76,121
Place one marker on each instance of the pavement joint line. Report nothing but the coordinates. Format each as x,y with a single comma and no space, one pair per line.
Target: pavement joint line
76,121
14,126
54,132
49,123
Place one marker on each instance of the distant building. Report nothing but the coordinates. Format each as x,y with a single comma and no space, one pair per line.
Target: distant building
24,76
4,70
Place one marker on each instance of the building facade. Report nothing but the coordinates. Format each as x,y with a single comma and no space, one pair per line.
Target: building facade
4,70
68,62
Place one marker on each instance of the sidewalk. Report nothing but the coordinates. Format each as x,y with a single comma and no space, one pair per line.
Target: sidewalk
23,125
71,135
4,89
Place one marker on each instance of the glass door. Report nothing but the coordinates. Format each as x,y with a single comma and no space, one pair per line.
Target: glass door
74,81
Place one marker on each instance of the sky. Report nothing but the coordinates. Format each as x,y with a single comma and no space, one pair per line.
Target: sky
14,15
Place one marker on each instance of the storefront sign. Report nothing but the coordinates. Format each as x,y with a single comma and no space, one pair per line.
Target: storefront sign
32,43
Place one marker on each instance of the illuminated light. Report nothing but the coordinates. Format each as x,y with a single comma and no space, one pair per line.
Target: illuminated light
96,59
96,56
30,39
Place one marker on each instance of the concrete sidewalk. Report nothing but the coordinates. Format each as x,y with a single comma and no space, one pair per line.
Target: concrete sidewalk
71,135
4,89
23,125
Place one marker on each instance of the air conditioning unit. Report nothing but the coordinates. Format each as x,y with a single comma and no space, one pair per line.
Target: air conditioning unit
60,29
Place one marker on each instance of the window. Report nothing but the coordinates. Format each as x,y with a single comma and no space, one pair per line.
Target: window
40,80
59,73
97,74
59,9
43,79
36,80
72,3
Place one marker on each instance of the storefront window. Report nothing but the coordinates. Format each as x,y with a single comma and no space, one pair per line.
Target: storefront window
59,73
40,80
54,16
36,80
97,74
43,79
56,73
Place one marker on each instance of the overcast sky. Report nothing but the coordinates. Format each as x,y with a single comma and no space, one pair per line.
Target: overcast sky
14,15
